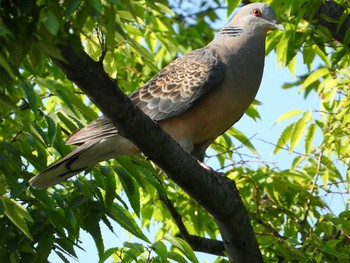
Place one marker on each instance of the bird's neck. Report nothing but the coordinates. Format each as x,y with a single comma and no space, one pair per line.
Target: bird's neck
229,31
243,44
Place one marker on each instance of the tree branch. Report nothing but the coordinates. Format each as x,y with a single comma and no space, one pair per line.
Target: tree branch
201,244
215,193
329,12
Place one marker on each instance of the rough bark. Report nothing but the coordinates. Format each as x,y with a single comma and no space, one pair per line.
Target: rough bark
215,193
329,12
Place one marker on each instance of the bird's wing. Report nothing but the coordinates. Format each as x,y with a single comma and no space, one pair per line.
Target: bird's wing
173,91
101,128
180,85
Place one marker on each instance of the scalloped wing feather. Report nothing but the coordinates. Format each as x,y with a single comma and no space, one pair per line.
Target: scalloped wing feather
173,91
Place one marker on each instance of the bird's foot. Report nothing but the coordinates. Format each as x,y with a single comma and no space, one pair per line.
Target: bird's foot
205,166
211,170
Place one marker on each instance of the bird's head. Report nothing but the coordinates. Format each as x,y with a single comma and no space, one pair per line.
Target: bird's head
258,17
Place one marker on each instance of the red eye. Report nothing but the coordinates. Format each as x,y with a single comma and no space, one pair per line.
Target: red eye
257,12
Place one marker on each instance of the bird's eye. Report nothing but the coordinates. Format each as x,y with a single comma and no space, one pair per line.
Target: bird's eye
257,12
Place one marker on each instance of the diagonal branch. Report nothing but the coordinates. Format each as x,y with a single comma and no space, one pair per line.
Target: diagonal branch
201,244
329,15
215,193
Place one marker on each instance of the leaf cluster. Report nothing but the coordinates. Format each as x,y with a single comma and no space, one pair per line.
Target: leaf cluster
133,39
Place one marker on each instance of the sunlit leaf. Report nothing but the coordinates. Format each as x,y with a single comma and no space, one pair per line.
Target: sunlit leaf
314,76
288,115
183,246
298,130
309,136
243,139
284,138
160,249
125,220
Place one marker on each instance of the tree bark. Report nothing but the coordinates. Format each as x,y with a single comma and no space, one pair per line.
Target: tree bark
214,192
330,12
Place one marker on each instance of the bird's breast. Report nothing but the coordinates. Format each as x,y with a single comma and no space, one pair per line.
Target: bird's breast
224,105
217,112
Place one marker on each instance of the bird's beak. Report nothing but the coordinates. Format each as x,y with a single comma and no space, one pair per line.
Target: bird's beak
277,25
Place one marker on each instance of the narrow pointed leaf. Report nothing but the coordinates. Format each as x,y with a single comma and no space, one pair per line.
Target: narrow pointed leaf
18,215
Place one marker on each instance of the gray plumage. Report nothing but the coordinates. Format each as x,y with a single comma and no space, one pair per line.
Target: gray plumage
195,98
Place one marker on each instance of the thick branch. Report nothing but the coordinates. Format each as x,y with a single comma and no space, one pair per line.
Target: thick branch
329,12
215,193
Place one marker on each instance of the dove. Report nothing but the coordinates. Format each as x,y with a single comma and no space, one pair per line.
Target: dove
194,99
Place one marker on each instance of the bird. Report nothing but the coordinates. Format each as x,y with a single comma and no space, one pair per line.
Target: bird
194,99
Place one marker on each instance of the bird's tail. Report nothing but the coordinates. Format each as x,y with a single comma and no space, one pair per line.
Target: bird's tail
84,157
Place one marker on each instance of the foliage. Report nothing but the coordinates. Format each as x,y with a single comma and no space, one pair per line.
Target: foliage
40,107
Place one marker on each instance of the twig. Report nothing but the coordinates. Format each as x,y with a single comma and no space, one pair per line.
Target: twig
282,148
267,227
308,201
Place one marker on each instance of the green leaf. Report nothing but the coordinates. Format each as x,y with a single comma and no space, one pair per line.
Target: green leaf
67,121
4,63
51,130
298,130
130,187
78,201
183,246
96,4
50,50
126,221
61,256
30,94
284,138
137,246
243,139
51,22
292,65
160,249
325,178
288,115
309,53
144,53
45,245
348,179
66,245
271,191
309,136
91,224
345,214
2,207
314,76
231,5
126,15
131,255
18,215
72,5
176,257
109,252
323,55
252,111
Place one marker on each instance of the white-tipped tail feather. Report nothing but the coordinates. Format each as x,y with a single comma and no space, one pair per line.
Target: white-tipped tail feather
84,157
